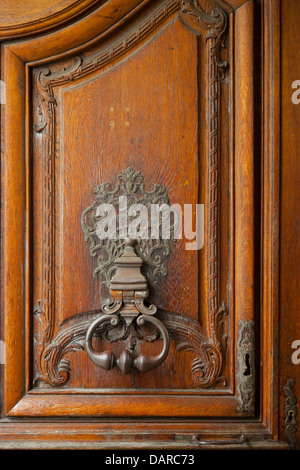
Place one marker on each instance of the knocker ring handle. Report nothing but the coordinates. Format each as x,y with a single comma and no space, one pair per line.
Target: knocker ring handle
106,359
127,360
145,363
128,291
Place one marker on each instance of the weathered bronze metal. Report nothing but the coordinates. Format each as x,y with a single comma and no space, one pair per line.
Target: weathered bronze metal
246,367
291,422
128,290
153,251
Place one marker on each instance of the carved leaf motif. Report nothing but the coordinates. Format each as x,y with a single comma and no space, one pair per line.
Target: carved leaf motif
208,363
215,22
152,251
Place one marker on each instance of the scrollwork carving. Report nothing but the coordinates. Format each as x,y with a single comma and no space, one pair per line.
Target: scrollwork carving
153,251
215,22
45,81
207,364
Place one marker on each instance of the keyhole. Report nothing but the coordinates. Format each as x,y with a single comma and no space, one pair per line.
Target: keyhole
247,364
290,415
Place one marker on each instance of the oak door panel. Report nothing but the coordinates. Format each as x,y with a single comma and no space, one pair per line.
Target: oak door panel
153,94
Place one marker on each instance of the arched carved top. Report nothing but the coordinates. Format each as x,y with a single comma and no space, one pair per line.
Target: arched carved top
191,12
215,22
94,18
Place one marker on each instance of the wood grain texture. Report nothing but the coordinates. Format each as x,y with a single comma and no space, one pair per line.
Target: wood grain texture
107,434
105,119
123,406
244,200
289,210
13,184
22,18
79,34
270,210
244,210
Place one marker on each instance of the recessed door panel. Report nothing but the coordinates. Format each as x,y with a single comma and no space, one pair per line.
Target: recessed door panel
147,112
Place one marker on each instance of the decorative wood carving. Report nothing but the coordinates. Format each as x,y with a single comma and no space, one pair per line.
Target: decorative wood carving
215,22
209,355
211,352
246,366
291,411
168,417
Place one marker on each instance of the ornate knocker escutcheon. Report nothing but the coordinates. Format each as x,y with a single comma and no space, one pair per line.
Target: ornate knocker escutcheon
129,290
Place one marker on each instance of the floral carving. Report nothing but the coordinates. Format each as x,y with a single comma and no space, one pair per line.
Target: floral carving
208,362
215,22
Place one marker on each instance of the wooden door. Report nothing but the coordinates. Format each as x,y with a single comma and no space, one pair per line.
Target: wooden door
158,101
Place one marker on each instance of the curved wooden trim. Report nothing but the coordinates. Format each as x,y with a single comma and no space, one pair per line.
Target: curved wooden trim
46,21
245,306
75,37
56,17
78,35
271,206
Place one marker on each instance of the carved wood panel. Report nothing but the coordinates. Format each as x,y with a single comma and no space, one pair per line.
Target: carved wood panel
154,99
197,67
149,105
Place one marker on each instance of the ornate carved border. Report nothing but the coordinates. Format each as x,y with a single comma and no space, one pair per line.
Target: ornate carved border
196,17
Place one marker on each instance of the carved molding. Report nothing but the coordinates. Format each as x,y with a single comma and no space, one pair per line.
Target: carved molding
291,411
208,363
31,21
246,367
215,22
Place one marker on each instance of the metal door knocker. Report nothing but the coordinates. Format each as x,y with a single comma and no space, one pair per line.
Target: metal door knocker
128,289
127,266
